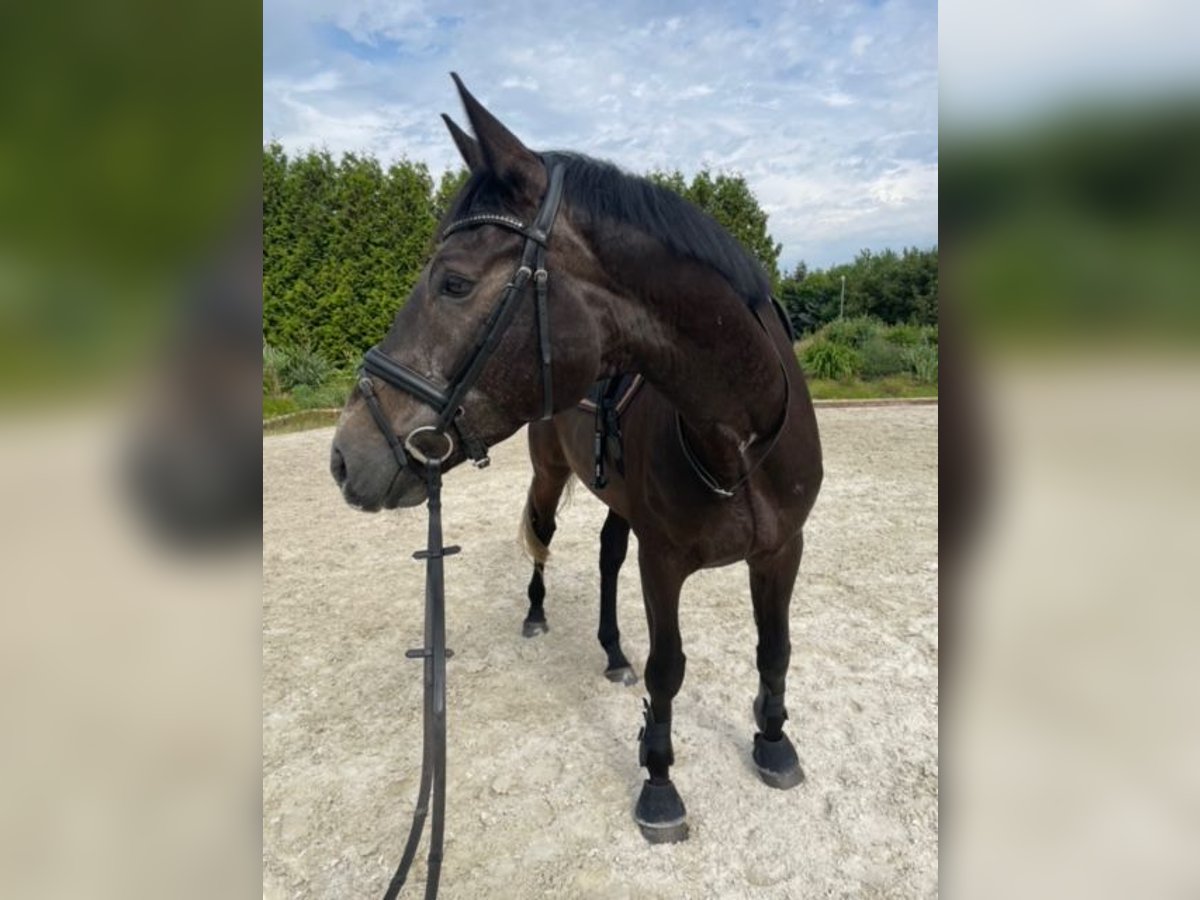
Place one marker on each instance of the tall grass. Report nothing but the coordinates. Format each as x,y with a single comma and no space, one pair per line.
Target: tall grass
853,333
825,359
864,347
299,378
923,362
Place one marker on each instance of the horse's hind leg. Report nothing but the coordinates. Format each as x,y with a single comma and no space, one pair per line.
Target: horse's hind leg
614,542
550,476
771,581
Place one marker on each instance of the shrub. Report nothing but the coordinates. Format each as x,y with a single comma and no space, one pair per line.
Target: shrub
825,359
330,395
326,396
905,335
929,334
303,367
923,361
881,357
272,362
853,333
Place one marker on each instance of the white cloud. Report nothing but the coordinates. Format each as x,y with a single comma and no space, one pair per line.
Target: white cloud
328,80
905,184
861,42
368,21
528,84
837,98
829,110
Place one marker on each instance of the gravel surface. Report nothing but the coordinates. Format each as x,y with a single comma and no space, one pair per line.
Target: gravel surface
542,753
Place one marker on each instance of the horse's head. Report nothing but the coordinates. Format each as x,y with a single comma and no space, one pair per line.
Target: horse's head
427,388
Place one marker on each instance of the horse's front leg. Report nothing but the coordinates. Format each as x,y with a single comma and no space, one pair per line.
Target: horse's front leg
771,581
660,812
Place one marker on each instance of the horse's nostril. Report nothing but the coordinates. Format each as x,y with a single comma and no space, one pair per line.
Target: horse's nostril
337,466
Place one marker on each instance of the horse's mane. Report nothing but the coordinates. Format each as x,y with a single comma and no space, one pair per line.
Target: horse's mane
600,190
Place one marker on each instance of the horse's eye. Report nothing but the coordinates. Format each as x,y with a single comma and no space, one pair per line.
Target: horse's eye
455,286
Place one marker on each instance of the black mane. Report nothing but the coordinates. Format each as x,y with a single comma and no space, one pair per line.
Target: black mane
601,190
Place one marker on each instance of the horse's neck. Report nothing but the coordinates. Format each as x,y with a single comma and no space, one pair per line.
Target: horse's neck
696,341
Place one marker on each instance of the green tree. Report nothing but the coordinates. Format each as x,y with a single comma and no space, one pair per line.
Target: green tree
343,245
889,286
345,240
449,185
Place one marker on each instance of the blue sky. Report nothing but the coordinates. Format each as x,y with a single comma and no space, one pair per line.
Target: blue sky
828,109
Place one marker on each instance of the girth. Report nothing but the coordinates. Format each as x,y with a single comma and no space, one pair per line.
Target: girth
607,399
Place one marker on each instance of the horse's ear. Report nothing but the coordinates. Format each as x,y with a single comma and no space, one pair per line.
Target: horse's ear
503,154
467,145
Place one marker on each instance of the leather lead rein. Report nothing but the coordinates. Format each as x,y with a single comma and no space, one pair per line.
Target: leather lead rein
435,654
447,403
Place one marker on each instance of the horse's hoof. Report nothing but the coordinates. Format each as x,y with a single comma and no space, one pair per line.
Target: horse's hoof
660,814
533,629
777,763
622,675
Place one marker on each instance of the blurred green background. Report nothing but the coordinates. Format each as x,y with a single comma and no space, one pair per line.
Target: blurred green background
129,148
1078,226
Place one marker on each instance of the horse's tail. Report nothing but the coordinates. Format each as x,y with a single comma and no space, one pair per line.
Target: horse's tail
528,539
568,494
527,536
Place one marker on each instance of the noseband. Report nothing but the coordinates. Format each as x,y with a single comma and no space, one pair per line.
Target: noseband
447,402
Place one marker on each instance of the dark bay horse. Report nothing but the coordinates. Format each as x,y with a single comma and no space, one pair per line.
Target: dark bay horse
722,459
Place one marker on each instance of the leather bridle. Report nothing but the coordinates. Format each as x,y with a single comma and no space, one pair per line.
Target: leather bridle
447,402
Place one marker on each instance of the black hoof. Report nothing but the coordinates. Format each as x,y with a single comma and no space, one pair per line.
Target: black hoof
533,629
777,762
660,814
623,675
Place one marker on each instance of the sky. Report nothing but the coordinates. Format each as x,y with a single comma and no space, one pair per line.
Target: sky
1005,62
829,110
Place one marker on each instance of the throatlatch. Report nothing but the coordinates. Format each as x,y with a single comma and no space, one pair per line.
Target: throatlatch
435,654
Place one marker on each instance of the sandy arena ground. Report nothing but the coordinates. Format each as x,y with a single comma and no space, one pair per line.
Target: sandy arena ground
542,753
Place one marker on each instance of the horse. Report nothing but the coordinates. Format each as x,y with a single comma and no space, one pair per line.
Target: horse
722,460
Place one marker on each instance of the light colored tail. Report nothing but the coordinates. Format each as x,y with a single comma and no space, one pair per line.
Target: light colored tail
530,543
528,539
568,494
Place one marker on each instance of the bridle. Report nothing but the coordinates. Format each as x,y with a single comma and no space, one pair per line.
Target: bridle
447,402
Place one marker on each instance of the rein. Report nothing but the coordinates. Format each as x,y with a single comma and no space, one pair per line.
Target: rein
701,471
447,403
435,654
